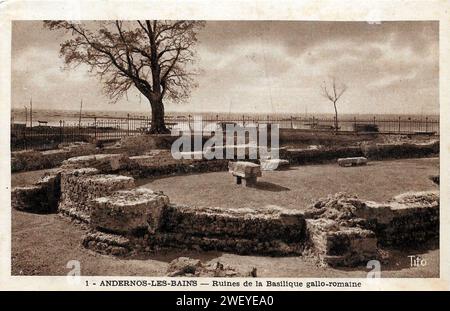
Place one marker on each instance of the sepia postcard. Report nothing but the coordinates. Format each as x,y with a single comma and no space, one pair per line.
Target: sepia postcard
238,145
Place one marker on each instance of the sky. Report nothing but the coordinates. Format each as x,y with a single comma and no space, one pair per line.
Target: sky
258,67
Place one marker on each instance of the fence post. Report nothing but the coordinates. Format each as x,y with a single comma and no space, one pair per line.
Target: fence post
426,124
292,122
399,122
60,132
128,124
95,128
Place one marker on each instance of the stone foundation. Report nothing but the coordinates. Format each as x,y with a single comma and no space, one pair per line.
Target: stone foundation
338,245
344,230
80,186
28,160
128,211
42,197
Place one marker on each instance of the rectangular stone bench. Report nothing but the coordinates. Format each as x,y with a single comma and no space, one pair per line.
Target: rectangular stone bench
247,171
356,161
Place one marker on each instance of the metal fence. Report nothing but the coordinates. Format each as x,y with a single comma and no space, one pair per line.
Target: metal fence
48,136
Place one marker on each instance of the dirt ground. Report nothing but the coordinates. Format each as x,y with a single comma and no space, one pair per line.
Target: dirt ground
44,244
299,186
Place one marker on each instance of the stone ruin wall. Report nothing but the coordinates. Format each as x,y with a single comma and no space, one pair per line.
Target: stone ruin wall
341,230
370,150
139,147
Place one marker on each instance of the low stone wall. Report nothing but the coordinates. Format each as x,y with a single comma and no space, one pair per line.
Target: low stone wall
307,137
143,143
42,197
341,230
161,162
79,187
369,150
399,150
28,160
417,210
269,223
315,156
104,163
271,230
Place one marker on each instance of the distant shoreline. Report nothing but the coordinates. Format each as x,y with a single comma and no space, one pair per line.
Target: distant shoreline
53,114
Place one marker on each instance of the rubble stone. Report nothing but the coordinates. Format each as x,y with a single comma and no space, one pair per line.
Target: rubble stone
128,211
354,227
108,244
339,245
185,266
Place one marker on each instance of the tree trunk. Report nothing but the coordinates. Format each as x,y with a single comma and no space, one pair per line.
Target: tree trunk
335,118
158,125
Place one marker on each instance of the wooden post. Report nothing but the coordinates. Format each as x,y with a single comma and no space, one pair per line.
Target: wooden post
95,128
81,109
128,124
31,112
60,132
399,122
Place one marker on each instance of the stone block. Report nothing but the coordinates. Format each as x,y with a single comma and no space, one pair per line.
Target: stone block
128,211
80,186
355,161
273,164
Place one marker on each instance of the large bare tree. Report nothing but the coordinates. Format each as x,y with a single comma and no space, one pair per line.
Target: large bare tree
153,56
333,92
